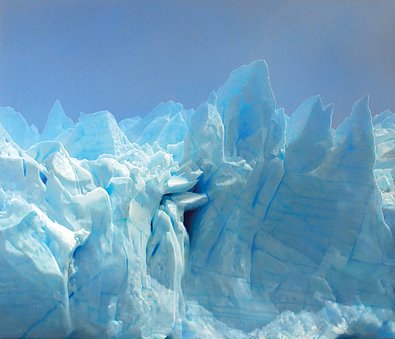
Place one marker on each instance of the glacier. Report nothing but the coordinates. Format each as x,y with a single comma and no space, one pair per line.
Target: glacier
234,220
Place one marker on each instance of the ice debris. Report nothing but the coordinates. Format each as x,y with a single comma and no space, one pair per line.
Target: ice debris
231,221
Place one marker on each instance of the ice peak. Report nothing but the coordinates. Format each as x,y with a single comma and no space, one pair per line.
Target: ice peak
57,122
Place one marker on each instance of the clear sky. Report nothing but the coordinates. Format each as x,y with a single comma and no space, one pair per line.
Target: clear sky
127,56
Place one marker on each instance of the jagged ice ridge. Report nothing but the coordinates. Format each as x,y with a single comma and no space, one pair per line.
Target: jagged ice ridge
230,221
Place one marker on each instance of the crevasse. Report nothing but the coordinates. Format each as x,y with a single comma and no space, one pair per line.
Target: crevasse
229,221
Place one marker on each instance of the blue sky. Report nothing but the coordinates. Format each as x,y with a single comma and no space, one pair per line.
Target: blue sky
127,56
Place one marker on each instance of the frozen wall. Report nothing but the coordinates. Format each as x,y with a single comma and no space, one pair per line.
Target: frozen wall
232,220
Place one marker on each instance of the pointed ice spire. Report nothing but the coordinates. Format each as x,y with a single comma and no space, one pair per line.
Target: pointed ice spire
57,122
311,120
352,156
355,135
308,135
204,142
246,104
18,128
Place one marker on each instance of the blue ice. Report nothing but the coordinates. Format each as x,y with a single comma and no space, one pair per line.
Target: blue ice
234,220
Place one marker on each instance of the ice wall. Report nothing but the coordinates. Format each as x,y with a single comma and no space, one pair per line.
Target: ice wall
233,220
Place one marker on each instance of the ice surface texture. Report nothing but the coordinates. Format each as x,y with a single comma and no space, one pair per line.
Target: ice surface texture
230,221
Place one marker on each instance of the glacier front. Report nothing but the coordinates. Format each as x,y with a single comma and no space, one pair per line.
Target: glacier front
234,220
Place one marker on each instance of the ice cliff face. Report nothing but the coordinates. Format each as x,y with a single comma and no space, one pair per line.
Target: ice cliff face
230,221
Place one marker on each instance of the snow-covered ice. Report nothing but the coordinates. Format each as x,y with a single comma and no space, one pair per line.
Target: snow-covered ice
233,220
